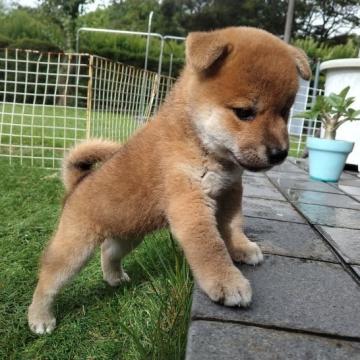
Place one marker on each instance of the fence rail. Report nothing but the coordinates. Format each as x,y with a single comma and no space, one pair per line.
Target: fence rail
50,101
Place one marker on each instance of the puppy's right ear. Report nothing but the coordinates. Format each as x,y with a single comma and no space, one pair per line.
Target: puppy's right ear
301,61
203,49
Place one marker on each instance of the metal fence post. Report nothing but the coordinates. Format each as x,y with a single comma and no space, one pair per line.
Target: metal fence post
312,122
89,97
148,40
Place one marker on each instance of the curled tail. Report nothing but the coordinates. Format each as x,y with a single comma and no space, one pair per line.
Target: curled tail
80,161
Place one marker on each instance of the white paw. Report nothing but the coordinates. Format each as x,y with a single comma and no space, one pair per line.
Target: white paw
117,279
249,254
44,324
253,255
235,290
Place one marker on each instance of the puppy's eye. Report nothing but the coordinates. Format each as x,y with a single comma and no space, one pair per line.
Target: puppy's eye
245,114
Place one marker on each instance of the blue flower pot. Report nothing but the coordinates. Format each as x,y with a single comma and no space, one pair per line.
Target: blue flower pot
327,158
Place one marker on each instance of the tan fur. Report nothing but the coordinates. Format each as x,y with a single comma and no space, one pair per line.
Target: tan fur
80,160
183,169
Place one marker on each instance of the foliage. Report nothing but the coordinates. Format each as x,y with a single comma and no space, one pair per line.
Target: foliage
313,18
348,50
55,22
23,23
131,50
333,111
64,14
320,50
4,41
41,45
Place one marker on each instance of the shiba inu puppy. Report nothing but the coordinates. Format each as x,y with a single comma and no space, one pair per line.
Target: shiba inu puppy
227,112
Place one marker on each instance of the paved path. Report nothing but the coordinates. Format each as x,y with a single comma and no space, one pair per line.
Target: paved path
306,294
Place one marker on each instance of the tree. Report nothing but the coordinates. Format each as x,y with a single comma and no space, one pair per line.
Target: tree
133,14
65,14
323,19
212,14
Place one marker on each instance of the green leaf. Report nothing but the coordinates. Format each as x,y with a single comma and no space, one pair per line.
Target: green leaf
307,114
333,100
343,93
332,107
353,114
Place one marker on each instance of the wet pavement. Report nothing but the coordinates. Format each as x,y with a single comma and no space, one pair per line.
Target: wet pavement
306,294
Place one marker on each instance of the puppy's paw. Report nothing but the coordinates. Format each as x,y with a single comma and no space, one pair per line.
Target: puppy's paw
232,290
116,279
249,253
41,322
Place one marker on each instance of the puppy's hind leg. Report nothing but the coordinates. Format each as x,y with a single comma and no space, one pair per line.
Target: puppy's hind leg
66,254
112,251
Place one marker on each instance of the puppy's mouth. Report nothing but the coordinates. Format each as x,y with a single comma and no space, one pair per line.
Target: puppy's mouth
253,168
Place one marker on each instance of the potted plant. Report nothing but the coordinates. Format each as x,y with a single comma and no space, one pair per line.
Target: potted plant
327,156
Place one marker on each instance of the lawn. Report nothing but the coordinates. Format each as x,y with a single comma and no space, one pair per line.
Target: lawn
39,135
294,149
145,319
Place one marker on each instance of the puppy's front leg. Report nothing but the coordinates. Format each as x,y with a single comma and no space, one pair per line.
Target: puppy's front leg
191,215
230,222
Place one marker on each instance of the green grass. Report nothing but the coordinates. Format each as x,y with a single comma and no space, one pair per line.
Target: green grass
145,319
41,134
294,146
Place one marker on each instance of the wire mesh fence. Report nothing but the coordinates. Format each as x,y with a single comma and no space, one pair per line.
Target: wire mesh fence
50,101
300,128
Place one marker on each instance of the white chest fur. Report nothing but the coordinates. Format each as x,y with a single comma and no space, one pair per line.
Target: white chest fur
214,181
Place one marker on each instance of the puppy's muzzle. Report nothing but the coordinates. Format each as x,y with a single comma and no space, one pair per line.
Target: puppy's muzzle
276,155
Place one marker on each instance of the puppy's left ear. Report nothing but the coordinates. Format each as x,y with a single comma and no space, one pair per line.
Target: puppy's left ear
302,63
203,49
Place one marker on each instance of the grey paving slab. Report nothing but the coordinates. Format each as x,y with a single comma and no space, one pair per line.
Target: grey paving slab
302,175
289,239
355,182
321,198
257,181
288,293
261,191
330,216
301,163
348,175
288,166
352,190
254,174
288,175
346,242
270,209
357,270
223,341
285,184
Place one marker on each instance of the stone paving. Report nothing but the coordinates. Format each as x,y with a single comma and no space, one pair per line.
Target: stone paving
306,294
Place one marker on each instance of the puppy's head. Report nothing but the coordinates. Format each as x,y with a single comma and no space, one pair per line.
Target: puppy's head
241,84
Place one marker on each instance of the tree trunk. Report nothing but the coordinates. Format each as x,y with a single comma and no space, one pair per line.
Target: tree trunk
330,133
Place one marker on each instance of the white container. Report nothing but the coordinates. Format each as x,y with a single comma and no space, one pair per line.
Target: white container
339,74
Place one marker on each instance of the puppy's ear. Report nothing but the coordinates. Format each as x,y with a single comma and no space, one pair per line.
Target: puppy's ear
203,49
302,63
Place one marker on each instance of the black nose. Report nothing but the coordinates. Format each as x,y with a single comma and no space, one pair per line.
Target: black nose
277,155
